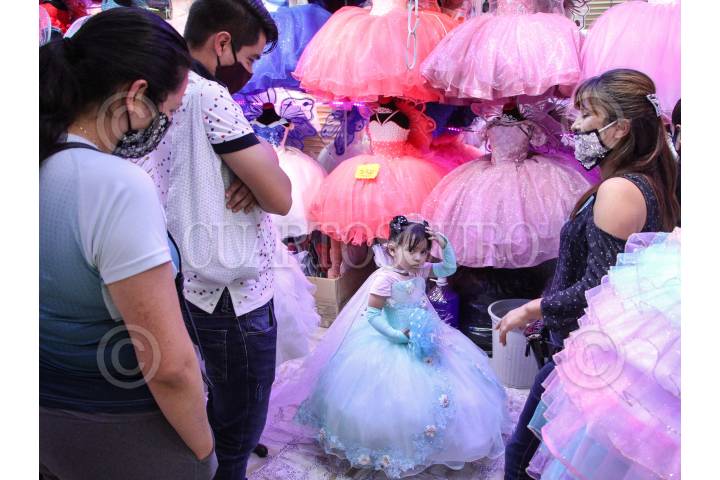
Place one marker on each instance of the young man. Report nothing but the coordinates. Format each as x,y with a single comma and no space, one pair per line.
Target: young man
226,242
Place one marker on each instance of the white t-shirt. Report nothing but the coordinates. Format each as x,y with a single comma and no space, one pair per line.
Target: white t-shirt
220,249
100,222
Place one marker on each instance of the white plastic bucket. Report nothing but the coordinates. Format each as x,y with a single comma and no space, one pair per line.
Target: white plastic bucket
512,367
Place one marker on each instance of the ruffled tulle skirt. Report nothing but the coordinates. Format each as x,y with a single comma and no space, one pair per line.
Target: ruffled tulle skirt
357,211
363,56
505,215
297,25
449,152
295,309
306,176
491,57
642,36
379,406
611,408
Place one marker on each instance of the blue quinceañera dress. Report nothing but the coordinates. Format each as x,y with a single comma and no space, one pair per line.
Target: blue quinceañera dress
400,403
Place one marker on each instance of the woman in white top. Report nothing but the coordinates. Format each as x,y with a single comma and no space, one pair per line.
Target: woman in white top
121,393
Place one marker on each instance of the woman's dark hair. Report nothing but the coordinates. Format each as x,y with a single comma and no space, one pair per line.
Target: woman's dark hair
242,19
111,50
622,94
406,234
676,114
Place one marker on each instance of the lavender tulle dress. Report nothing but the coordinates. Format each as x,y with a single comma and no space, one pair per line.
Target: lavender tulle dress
522,47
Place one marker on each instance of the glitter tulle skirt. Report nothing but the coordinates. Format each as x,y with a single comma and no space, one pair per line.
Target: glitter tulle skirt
642,36
505,215
497,56
357,211
363,56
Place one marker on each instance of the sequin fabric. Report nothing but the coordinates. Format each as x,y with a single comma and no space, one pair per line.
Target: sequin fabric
510,141
586,255
515,7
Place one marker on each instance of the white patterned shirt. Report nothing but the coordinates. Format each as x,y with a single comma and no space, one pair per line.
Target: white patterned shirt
220,249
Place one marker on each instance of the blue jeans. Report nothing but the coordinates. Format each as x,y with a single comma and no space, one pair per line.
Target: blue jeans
240,363
523,444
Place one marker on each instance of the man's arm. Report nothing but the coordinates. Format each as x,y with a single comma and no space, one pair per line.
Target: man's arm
258,168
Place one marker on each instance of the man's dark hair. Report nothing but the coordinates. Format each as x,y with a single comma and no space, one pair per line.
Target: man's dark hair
243,19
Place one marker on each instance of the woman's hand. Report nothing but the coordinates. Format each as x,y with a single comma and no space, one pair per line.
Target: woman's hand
435,237
519,318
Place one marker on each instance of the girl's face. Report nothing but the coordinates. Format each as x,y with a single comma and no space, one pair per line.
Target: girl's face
405,259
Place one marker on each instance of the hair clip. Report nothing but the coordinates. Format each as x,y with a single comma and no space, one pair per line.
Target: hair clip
656,103
398,223
382,110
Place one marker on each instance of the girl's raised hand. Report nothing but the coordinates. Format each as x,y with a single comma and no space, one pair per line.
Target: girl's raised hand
435,237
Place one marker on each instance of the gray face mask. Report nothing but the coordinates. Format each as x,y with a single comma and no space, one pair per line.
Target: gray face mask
589,149
138,143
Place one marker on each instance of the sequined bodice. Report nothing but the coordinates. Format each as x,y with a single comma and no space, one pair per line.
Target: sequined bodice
388,138
273,135
509,142
406,295
515,7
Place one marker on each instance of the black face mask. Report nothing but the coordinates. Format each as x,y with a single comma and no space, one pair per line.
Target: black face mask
234,76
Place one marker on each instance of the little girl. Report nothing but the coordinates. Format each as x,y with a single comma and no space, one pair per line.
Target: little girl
398,390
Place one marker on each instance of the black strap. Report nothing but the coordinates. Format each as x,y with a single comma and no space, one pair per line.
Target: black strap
70,145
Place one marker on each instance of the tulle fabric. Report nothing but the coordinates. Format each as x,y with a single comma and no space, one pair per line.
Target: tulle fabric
75,26
507,215
306,177
297,25
378,405
644,36
329,158
362,56
506,210
45,26
358,211
295,309
448,151
567,158
611,408
496,56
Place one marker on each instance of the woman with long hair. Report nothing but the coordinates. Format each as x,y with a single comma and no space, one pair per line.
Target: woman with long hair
121,393
620,129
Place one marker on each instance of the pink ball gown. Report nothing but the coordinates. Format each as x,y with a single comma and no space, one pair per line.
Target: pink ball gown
644,36
356,211
449,151
506,209
361,53
518,49
611,408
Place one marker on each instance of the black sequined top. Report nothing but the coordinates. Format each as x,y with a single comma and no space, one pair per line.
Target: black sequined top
586,254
